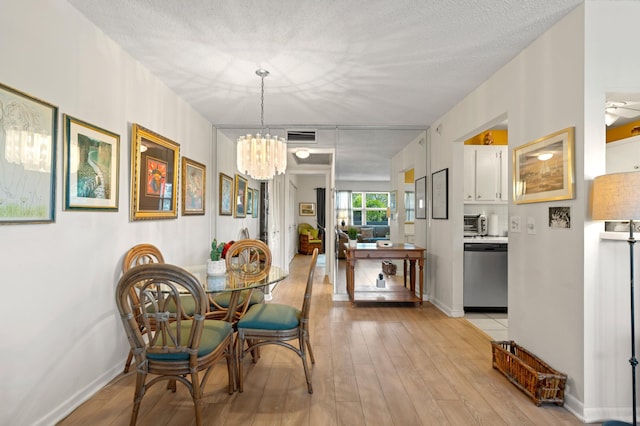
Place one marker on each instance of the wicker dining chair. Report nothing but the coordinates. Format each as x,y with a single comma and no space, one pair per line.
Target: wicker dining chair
272,323
139,254
246,260
178,346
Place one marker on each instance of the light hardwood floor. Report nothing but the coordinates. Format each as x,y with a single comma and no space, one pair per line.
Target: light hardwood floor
375,365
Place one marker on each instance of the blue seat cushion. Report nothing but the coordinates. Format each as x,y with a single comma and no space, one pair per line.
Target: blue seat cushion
213,333
222,299
271,316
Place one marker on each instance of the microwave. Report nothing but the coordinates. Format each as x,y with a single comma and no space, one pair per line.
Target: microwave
475,225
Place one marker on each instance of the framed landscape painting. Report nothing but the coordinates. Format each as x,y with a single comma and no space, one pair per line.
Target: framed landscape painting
543,169
154,172
307,209
27,159
193,187
91,162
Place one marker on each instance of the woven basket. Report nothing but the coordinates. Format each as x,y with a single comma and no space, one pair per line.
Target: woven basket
529,373
388,267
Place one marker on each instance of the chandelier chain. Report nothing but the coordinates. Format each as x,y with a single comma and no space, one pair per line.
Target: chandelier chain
262,102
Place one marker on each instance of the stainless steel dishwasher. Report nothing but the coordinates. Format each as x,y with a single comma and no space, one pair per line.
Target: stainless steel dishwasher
485,277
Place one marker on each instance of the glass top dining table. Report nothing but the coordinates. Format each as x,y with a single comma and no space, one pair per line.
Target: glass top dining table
234,283
238,281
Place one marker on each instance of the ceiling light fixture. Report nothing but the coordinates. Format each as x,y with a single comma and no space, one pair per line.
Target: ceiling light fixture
302,153
261,156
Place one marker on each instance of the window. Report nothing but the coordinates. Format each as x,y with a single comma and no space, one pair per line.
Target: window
369,208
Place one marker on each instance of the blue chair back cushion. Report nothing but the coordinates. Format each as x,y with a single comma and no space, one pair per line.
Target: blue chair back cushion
271,316
213,333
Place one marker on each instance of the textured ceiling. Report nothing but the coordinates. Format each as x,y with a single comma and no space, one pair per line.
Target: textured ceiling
353,65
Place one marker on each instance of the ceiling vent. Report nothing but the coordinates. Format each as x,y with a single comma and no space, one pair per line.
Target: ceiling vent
299,137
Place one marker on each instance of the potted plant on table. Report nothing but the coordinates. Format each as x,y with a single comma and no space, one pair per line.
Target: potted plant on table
353,237
216,264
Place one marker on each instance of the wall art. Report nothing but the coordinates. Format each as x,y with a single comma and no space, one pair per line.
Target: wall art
92,166
193,187
543,169
154,171
28,160
240,197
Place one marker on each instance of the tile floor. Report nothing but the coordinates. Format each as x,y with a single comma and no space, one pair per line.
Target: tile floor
495,325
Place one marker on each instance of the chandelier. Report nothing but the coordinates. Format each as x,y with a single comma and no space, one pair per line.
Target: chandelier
261,156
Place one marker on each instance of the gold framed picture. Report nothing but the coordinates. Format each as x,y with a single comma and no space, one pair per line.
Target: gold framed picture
193,187
240,197
226,194
307,209
543,169
154,172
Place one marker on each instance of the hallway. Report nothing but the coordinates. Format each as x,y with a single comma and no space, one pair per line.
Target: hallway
375,365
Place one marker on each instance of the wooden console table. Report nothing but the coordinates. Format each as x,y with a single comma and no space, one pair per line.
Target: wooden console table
370,251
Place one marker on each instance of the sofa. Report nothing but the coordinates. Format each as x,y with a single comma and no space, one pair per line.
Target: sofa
366,234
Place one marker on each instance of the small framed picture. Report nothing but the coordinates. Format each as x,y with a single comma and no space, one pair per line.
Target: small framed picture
256,202
91,163
226,195
560,217
307,209
193,187
440,193
249,202
421,198
240,197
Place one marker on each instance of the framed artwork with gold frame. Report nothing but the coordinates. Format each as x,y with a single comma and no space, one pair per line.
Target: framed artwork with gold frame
240,197
543,169
226,195
193,187
154,172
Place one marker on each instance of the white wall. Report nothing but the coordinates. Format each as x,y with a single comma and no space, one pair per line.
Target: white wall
306,194
228,228
62,337
610,35
558,307
540,92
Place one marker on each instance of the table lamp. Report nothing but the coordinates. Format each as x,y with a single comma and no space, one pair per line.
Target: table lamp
616,196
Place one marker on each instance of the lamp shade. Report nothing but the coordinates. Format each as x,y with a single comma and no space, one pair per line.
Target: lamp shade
616,196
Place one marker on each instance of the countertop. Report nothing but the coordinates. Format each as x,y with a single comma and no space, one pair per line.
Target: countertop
504,240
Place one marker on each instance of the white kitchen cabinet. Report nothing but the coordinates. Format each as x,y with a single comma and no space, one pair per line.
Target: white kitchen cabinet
486,174
624,155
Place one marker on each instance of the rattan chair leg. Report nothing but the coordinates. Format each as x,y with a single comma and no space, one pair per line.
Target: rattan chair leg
196,395
128,362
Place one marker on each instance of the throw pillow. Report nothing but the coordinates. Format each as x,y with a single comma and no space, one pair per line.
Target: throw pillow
366,232
313,233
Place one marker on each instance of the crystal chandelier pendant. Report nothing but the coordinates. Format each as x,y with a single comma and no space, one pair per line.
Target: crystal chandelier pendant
261,156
